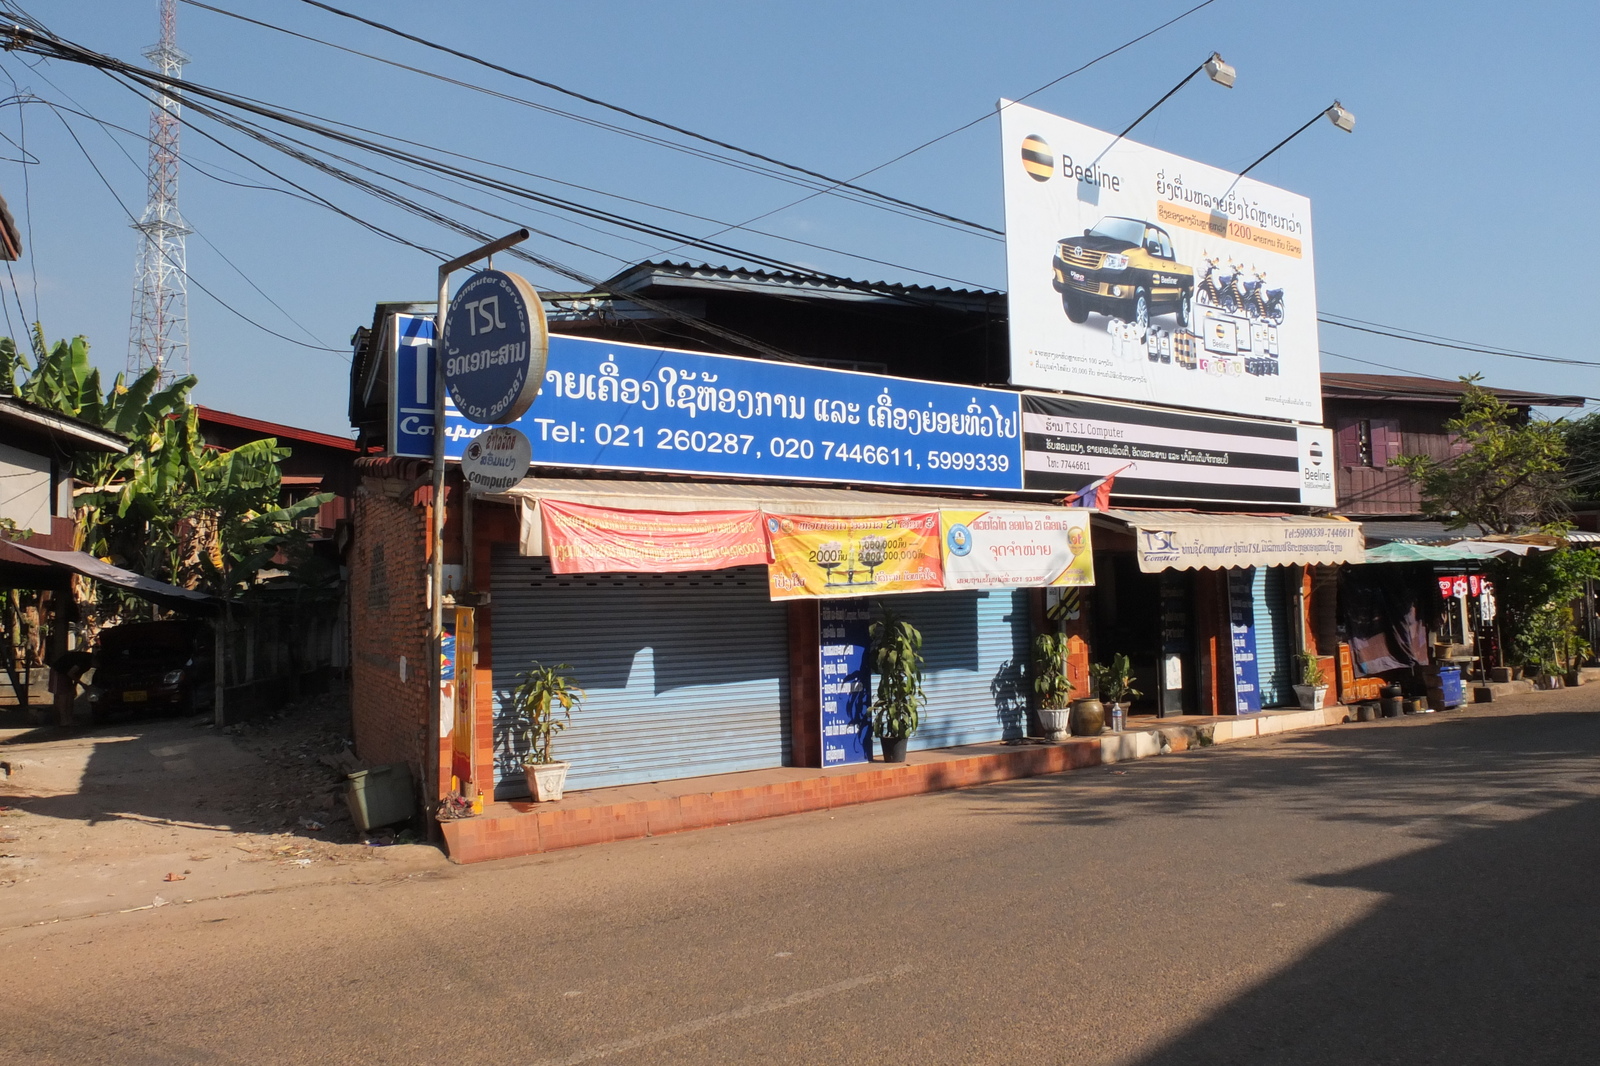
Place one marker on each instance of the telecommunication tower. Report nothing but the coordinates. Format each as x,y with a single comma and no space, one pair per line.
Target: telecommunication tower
159,335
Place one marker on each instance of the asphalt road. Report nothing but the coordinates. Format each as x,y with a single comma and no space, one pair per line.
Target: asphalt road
1421,891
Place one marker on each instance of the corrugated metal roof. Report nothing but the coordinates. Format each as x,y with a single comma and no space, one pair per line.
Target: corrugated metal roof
1415,531
1428,390
738,279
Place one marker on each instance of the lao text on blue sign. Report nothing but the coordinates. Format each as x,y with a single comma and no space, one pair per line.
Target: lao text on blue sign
846,721
495,347
1242,623
626,407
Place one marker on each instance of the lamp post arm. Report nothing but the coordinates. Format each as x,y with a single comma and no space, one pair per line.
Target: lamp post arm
1148,110
1269,151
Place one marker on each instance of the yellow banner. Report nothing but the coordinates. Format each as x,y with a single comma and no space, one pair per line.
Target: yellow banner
818,556
1017,549
1222,226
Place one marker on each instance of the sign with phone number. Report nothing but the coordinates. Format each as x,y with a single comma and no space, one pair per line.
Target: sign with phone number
606,405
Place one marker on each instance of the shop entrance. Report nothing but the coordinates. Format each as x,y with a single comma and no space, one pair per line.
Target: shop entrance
1145,617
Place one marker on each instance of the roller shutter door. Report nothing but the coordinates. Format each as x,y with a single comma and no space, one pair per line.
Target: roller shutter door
976,647
1269,590
686,674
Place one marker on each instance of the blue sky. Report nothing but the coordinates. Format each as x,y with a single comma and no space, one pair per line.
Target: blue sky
1459,207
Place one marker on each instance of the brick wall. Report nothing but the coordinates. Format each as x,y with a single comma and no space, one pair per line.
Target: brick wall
388,621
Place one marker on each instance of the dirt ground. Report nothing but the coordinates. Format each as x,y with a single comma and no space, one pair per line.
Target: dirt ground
146,813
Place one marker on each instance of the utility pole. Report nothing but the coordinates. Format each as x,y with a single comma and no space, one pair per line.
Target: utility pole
159,334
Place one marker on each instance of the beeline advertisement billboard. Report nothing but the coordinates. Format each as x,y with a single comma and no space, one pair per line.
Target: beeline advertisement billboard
1135,274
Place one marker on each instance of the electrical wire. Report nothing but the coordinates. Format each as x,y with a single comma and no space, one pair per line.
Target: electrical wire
981,118
189,222
832,182
133,219
1415,337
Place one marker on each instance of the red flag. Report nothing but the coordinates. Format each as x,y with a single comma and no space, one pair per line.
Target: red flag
1096,494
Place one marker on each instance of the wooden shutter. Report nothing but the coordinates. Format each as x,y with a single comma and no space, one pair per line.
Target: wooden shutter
1349,441
1386,444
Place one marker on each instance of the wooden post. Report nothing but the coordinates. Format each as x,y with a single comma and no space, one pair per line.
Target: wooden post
219,667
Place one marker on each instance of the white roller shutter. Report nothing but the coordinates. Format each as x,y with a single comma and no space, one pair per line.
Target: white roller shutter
686,674
976,647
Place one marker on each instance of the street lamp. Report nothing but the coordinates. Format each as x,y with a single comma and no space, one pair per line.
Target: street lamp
1216,68
1335,113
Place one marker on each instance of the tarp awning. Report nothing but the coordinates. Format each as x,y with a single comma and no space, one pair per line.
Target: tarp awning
1185,540
684,496
171,596
1460,551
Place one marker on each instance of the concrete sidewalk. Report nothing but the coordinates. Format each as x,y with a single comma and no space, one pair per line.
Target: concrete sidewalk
628,812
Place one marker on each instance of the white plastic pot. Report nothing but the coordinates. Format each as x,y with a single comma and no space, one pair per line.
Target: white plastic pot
546,779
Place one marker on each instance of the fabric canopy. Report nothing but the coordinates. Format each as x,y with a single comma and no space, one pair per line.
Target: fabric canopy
1184,540
718,496
170,596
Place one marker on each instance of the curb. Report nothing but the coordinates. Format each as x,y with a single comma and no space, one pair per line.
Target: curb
504,832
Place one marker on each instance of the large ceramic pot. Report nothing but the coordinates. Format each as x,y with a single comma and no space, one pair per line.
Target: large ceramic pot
546,779
1088,718
1055,722
1310,697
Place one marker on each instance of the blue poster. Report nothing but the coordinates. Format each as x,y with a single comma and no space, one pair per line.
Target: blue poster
846,684
1242,623
612,406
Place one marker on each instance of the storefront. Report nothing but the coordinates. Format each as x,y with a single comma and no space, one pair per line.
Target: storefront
1212,608
705,671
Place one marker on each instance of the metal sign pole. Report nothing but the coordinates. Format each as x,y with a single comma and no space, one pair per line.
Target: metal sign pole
436,560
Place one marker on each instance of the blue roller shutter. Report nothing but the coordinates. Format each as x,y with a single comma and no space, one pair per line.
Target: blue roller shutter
1269,590
976,647
686,674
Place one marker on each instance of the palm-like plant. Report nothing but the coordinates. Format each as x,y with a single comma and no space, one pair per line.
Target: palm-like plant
541,706
897,660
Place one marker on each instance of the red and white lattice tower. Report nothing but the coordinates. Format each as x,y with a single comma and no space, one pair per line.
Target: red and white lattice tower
159,335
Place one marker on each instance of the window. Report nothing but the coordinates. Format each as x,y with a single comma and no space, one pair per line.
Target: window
1369,442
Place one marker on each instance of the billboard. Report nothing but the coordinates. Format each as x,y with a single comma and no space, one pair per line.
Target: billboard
1165,454
1136,274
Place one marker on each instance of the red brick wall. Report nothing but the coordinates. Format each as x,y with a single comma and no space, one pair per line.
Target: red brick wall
388,620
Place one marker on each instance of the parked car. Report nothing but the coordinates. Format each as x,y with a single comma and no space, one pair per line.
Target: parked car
154,667
1124,268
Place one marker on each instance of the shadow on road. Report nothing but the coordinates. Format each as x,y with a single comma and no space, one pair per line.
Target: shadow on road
1487,950
1333,774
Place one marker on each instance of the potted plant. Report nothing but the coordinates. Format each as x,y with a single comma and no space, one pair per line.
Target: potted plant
541,706
1113,682
898,700
1051,684
1313,686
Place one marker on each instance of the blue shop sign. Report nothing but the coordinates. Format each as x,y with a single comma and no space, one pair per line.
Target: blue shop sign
846,682
495,345
1242,623
615,406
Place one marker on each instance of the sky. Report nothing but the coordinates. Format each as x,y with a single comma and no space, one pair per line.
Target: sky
1458,207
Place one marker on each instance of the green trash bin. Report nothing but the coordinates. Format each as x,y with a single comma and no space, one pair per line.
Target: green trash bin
380,796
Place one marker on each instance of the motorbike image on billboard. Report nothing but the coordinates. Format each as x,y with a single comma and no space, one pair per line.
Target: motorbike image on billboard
1136,274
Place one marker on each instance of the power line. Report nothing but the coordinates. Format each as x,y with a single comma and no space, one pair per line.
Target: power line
1396,387
1400,333
835,183
544,177
981,118
234,310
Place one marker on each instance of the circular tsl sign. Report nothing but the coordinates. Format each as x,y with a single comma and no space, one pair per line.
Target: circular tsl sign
496,460
495,346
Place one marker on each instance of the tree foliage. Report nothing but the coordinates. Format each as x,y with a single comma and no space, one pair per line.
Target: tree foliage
173,507
1510,474
1535,594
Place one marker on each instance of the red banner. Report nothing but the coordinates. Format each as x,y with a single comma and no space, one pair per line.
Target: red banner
595,540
